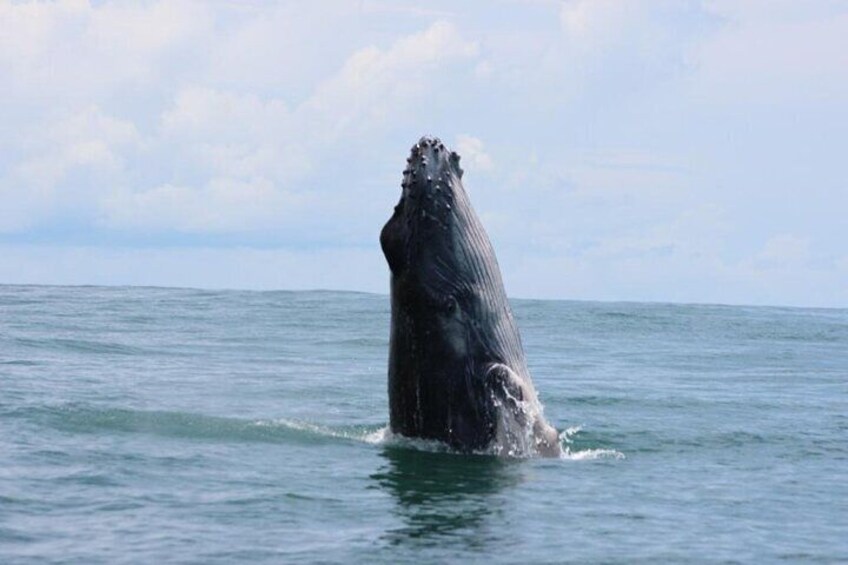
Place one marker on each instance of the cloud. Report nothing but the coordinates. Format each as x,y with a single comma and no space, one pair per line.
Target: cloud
222,133
615,149
65,168
223,205
229,136
597,23
376,86
611,47
210,158
205,112
773,53
78,132
69,51
474,156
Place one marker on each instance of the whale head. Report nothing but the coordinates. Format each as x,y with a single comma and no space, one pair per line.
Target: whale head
440,257
419,235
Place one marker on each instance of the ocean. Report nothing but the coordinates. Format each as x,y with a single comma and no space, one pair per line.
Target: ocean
145,425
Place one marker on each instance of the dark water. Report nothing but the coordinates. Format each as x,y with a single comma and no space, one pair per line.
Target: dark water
151,425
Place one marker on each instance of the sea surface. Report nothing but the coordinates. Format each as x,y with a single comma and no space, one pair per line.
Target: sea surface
151,425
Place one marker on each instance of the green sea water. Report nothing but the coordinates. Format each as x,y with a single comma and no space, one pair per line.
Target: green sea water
146,425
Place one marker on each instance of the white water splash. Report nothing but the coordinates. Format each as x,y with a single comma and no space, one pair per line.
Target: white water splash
521,428
591,454
378,437
383,436
567,439
366,435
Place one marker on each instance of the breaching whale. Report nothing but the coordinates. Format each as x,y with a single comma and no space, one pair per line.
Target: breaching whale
457,371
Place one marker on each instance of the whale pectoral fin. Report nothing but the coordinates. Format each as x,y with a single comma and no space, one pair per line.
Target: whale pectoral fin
520,419
511,419
547,439
505,385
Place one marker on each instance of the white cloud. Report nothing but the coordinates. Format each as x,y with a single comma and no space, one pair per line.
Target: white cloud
646,29
223,205
668,140
230,136
775,52
474,157
69,51
207,113
89,143
613,46
595,23
235,135
376,86
223,160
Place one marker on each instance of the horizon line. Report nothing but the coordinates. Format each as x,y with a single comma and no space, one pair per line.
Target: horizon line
386,295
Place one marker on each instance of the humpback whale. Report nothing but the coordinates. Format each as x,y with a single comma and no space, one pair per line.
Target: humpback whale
456,370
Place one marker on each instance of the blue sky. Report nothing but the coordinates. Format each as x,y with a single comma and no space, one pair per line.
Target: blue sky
615,150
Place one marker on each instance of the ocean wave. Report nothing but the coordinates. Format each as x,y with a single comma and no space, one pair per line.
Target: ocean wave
384,436
571,453
366,434
81,346
82,418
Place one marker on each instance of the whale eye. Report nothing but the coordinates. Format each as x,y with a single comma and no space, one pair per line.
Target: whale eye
450,306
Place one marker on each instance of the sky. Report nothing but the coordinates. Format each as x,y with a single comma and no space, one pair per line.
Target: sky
614,150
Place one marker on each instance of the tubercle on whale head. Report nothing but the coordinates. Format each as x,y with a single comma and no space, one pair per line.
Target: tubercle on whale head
431,178
431,161
431,203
